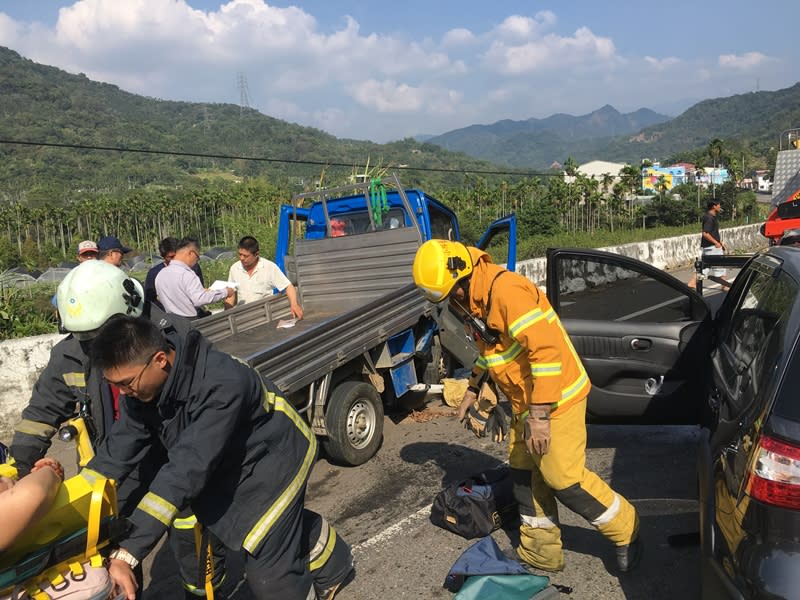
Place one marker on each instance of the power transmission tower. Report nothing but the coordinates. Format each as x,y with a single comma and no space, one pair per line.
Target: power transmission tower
244,94
206,121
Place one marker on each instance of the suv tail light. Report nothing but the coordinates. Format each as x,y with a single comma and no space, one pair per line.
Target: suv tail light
775,475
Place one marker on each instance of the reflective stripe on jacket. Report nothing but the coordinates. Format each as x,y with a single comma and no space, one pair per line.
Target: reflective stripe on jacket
239,454
534,361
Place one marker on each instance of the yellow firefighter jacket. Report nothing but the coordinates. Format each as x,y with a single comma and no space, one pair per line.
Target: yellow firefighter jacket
534,361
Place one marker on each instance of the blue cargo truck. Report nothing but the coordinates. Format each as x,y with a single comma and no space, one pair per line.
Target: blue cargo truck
368,337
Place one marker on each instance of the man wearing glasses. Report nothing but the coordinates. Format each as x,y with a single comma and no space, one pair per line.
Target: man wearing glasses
178,287
239,456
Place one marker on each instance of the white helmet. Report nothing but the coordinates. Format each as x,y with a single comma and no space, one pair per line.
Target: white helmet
93,292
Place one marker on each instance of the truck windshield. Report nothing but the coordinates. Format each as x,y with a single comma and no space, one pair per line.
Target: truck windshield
357,222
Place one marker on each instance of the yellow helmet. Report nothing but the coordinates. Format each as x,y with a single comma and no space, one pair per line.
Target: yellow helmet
438,265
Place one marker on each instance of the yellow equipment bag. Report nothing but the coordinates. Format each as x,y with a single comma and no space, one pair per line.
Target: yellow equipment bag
66,540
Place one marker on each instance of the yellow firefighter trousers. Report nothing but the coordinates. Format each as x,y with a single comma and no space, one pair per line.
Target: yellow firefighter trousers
562,474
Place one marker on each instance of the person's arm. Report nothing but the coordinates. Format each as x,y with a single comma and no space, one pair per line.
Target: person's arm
282,283
52,402
198,294
231,300
26,501
126,445
291,293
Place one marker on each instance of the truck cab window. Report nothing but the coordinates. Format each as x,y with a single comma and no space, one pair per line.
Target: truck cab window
441,224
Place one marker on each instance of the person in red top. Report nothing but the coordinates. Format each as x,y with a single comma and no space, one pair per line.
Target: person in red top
528,354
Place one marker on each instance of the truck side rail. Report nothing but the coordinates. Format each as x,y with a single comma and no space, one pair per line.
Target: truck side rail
244,317
321,350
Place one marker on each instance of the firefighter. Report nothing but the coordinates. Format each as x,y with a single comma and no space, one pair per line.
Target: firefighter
239,456
529,356
90,294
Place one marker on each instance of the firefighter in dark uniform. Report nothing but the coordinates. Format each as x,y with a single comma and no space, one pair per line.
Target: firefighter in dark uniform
239,456
88,296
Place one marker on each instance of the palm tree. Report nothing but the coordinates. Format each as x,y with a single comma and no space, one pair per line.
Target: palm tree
714,151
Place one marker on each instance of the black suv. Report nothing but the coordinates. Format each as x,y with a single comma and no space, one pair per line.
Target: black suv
656,353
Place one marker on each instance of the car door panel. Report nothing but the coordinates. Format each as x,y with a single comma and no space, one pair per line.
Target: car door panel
630,370
641,334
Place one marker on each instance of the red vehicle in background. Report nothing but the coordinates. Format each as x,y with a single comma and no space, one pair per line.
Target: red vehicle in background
785,214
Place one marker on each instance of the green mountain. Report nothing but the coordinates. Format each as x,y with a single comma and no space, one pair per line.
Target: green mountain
44,104
752,120
538,142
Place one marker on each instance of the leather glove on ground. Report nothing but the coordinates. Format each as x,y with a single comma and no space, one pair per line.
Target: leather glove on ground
497,425
537,429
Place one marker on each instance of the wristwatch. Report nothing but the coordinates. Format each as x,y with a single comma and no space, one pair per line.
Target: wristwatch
124,556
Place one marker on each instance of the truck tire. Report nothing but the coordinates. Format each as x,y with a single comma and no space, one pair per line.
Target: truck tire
354,418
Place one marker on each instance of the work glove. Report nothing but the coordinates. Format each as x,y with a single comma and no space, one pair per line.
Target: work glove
497,425
469,398
482,416
537,429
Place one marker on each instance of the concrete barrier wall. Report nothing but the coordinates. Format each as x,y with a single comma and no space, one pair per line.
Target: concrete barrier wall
22,360
663,253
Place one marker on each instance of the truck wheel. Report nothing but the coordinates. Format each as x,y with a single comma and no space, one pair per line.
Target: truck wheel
354,418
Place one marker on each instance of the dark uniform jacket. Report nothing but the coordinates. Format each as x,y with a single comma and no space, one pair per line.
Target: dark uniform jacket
65,383
239,453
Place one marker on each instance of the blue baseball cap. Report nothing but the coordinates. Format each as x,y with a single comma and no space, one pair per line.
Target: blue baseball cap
111,242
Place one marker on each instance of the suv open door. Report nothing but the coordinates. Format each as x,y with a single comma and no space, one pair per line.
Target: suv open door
642,335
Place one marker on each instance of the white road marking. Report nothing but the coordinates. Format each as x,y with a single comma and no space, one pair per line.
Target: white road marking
393,530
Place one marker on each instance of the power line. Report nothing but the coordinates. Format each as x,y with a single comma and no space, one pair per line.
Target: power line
265,159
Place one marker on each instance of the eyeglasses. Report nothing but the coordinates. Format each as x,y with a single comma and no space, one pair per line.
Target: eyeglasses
132,383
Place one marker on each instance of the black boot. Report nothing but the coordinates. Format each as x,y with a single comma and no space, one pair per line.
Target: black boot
628,556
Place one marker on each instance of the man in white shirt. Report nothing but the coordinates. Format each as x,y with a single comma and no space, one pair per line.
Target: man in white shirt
179,288
256,277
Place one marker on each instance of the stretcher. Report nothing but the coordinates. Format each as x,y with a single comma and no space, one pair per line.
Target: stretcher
67,540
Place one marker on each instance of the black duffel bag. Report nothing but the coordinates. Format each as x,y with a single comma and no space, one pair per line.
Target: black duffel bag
476,506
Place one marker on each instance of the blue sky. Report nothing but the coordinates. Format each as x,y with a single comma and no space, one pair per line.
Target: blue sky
384,71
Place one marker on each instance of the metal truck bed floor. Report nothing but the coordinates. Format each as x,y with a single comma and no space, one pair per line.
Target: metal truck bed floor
267,336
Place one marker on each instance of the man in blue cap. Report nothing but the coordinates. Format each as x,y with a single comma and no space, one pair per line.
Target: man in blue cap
111,250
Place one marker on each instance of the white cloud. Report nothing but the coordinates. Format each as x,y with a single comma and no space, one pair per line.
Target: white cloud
389,96
458,37
551,52
662,63
517,27
745,61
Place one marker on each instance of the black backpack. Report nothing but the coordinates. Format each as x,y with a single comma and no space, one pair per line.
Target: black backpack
476,506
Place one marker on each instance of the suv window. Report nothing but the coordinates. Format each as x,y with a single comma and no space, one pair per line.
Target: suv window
754,338
595,289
